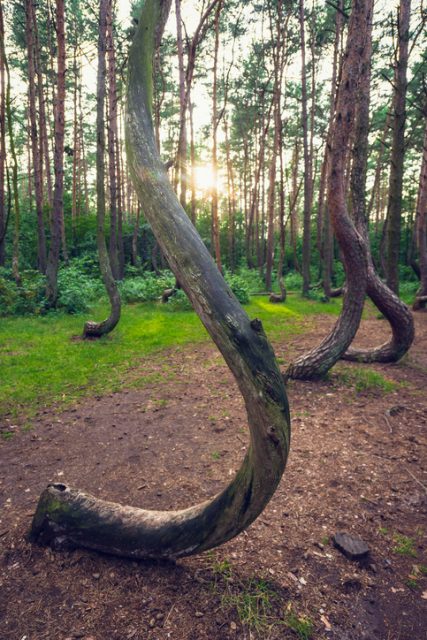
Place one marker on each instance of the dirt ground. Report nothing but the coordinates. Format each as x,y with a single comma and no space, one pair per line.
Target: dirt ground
357,464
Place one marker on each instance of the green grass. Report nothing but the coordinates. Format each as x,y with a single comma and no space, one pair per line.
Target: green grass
40,363
302,626
363,379
404,545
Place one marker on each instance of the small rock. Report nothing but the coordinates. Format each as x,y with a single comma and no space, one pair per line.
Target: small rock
233,626
160,615
152,623
96,576
352,547
199,614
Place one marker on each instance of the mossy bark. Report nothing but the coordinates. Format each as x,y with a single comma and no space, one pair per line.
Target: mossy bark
69,515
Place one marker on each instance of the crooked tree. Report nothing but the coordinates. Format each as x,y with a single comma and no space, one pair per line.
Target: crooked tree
97,329
69,514
393,309
317,362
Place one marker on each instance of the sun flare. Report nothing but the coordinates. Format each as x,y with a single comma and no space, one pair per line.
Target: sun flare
204,177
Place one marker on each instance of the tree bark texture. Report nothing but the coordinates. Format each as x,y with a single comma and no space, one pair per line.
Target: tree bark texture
317,362
58,194
35,137
3,213
308,186
421,222
394,209
98,329
394,310
71,515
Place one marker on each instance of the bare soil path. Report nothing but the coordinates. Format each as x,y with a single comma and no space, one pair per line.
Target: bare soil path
357,464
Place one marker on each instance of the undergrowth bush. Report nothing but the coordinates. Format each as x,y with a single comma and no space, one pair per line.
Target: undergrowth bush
25,299
145,288
76,291
239,287
178,302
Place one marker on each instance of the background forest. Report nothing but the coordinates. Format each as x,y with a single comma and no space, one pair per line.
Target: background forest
243,104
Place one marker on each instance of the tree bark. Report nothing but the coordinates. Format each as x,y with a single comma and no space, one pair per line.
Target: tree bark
308,186
35,144
111,138
394,310
421,297
215,120
3,212
98,329
317,362
58,194
394,208
73,516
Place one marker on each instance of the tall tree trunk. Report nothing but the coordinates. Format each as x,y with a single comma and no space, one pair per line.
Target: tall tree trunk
182,140
317,362
3,212
137,533
215,213
111,137
293,201
35,144
421,222
98,329
58,194
394,208
231,201
308,187
12,149
193,167
277,89
44,142
394,310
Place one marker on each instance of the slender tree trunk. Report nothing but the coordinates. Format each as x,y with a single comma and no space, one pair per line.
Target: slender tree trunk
58,195
394,208
293,201
182,141
193,167
76,141
35,145
98,329
318,361
421,298
112,136
137,533
44,142
282,296
231,202
12,149
308,187
3,212
215,213
277,89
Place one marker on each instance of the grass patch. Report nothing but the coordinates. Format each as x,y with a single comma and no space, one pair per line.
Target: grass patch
302,626
364,380
251,599
404,545
41,365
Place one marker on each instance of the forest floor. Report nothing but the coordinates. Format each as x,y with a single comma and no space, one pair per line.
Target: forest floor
357,464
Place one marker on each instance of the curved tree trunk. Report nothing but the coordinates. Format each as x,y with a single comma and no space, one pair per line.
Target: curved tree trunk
82,519
317,362
394,310
98,329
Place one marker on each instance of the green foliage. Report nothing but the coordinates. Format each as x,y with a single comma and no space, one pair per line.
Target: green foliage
76,291
25,299
146,288
179,302
239,287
